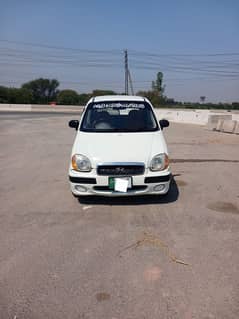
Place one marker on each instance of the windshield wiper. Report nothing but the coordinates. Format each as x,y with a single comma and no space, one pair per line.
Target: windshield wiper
121,130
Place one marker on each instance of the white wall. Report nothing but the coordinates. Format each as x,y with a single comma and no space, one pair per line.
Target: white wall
15,107
191,116
175,115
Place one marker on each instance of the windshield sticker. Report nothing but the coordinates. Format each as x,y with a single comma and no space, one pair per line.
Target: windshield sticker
124,112
119,105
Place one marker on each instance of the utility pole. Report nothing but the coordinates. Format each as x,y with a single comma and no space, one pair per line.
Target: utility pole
126,72
131,83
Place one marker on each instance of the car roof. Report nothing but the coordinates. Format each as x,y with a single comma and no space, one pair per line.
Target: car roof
105,98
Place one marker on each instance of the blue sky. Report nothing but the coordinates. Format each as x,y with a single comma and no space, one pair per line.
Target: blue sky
184,36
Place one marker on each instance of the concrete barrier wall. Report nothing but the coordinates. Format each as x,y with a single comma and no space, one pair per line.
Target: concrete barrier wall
56,108
224,121
237,128
215,120
235,117
199,117
15,107
228,126
40,108
218,126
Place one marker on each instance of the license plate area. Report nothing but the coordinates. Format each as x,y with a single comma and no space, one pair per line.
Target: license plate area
120,183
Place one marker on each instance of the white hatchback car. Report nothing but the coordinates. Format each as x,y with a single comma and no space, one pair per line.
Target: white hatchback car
119,149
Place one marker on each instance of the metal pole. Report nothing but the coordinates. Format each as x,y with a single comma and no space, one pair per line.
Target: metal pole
131,83
126,72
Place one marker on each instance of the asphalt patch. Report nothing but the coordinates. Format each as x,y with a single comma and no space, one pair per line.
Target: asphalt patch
102,296
224,207
181,182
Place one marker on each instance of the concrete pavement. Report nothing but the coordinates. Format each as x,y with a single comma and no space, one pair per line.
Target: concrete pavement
117,258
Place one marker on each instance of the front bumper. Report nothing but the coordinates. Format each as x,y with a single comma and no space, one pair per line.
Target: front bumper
151,183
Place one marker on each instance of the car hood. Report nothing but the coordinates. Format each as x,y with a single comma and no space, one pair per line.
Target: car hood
119,147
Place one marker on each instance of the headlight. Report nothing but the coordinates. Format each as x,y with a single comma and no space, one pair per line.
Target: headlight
159,162
81,163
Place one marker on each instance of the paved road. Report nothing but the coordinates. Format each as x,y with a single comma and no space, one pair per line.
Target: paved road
117,258
10,115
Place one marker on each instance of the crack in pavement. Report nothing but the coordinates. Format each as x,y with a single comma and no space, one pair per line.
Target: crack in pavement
157,242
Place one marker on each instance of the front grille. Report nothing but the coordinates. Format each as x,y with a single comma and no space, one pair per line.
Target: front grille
82,180
120,170
107,189
158,179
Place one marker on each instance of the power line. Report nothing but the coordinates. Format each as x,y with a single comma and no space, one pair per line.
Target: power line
141,53
133,52
61,48
15,58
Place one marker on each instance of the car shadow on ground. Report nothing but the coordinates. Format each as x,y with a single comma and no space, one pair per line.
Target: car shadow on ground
171,197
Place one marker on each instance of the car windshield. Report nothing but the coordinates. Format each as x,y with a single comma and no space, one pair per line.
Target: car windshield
119,116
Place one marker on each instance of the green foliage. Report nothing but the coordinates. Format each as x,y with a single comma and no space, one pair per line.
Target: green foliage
157,86
20,96
43,90
103,92
235,106
153,97
84,98
68,97
15,96
156,95
3,94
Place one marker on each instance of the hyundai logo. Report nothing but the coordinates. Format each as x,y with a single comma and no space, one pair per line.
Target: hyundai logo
120,170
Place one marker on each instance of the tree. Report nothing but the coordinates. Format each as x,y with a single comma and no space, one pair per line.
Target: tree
157,86
3,94
151,96
102,92
15,96
155,95
19,96
84,98
43,90
68,97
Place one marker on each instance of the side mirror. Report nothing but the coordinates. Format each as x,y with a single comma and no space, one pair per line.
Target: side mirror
163,123
74,124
